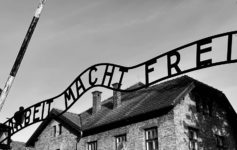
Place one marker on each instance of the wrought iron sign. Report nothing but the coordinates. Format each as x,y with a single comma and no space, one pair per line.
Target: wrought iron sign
112,73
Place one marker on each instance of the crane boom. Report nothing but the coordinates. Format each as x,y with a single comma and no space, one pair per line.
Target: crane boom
21,53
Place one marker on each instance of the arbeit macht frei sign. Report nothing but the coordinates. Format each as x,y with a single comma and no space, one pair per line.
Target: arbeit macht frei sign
112,73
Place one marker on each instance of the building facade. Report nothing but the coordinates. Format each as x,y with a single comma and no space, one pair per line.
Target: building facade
180,114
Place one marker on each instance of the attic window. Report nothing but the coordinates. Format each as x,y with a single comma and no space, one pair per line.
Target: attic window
60,129
204,107
54,130
57,130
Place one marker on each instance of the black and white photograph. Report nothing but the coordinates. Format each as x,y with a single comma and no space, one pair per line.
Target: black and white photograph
118,75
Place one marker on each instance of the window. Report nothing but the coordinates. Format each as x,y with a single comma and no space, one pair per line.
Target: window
92,145
204,107
207,108
60,129
120,141
54,130
57,130
220,142
151,139
193,139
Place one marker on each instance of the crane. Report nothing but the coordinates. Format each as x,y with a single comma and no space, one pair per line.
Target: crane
21,53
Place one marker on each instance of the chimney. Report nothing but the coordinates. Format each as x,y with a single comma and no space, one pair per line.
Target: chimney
117,96
96,101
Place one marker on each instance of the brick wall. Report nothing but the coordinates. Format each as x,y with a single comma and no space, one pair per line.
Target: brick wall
173,130
47,140
208,126
15,145
135,135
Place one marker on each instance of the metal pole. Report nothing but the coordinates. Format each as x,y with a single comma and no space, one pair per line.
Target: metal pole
21,53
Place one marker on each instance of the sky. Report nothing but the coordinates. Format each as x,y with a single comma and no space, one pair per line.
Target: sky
72,35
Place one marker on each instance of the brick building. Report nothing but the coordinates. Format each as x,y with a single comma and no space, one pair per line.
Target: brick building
15,145
180,114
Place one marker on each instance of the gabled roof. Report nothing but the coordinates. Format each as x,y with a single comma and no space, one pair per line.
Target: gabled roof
136,103
69,120
136,106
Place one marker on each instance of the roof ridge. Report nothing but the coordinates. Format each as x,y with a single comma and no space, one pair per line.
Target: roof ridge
105,101
125,93
57,110
199,82
134,105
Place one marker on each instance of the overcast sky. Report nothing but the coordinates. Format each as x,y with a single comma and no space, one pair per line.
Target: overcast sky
72,35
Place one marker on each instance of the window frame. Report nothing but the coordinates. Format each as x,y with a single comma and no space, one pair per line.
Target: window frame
57,130
153,140
222,139
193,139
60,127
54,130
207,108
204,106
120,136
92,143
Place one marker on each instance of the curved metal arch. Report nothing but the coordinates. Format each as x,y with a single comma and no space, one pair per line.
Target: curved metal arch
67,95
